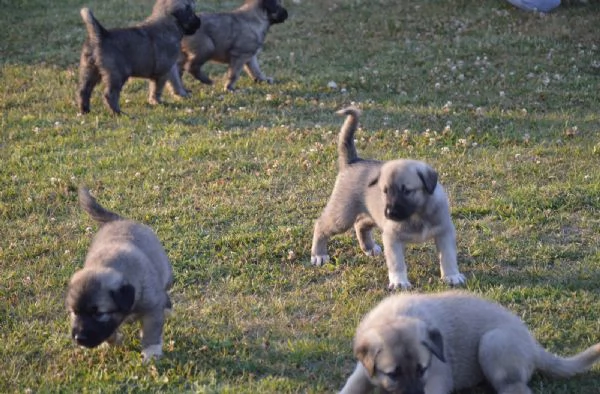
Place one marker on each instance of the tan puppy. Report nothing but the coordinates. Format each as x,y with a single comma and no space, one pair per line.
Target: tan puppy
235,38
126,275
148,50
401,197
438,343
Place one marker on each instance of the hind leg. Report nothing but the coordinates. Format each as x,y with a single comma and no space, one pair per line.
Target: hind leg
337,217
506,356
89,77
364,232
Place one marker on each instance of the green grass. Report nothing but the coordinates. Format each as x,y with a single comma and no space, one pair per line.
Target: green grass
505,104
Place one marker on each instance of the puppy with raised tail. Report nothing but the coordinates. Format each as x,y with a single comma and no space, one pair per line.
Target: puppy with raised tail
234,38
401,197
149,50
439,343
126,275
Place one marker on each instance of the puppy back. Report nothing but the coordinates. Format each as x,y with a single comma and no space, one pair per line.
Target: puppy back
94,29
346,149
95,210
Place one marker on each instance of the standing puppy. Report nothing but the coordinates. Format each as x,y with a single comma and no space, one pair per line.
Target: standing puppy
234,38
439,343
149,51
401,197
126,275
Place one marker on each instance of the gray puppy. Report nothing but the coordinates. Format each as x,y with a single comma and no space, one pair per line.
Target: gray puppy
401,197
148,50
126,276
234,38
439,343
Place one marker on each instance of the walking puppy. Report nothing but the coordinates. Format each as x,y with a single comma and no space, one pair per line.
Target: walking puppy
126,275
401,197
234,38
149,51
438,343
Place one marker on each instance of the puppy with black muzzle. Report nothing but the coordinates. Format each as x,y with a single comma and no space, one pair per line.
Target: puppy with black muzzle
234,38
401,197
126,276
439,343
148,50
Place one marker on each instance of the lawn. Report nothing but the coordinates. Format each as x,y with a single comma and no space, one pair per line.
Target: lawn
504,104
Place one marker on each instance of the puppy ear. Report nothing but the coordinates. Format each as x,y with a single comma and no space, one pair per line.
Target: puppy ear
429,177
435,343
366,351
374,181
124,297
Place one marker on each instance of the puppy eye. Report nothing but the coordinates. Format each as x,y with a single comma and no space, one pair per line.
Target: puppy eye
385,190
395,374
421,370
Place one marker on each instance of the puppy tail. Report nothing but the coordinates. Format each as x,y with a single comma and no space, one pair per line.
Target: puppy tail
94,29
346,149
554,365
95,210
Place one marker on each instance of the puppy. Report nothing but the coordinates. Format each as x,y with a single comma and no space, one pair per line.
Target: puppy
234,38
401,197
438,343
126,275
149,51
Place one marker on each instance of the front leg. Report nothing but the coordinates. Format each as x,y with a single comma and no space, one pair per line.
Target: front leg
253,70
446,248
394,258
152,328
358,382
175,82
156,87
364,232
233,72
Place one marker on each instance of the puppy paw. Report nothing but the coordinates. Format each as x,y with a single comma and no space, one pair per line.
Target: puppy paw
404,285
269,80
376,251
455,280
152,351
319,260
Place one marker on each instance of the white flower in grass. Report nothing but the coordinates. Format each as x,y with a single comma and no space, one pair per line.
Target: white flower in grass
445,149
137,174
474,144
156,188
462,142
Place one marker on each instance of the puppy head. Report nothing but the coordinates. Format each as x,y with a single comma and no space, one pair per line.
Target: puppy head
397,355
275,11
181,10
406,186
98,301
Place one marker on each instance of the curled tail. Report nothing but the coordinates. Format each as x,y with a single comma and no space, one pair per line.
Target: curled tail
566,367
346,149
95,210
94,29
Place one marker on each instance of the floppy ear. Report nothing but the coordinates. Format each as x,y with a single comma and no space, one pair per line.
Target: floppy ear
429,177
374,181
435,343
366,352
124,297
270,5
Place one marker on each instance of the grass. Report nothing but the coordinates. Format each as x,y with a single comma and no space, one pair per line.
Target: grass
503,103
